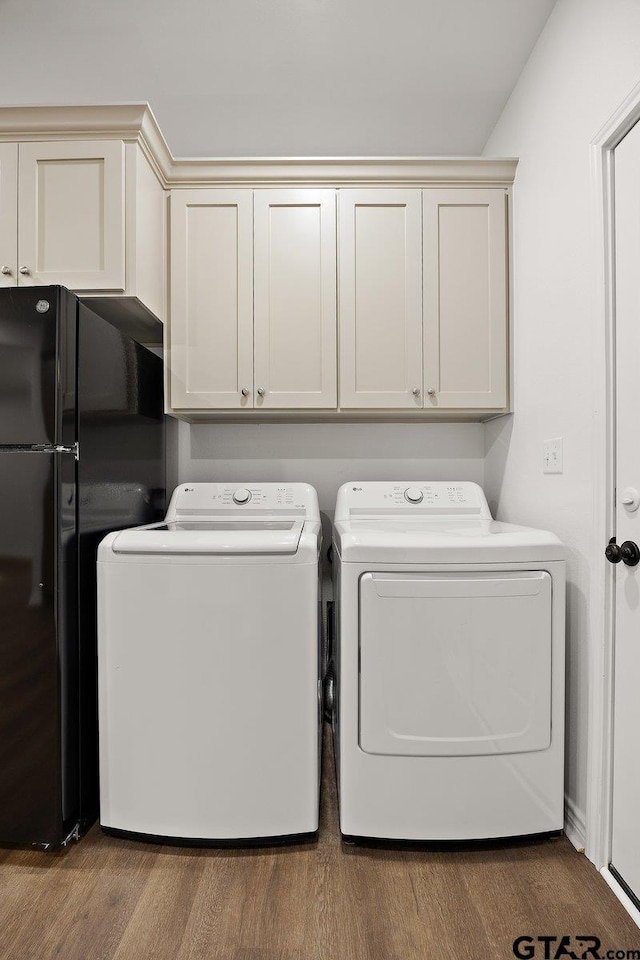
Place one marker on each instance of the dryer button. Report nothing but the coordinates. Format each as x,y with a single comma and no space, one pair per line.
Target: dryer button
413,495
242,496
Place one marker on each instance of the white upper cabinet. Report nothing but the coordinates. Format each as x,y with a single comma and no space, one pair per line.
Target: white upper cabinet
294,324
71,214
465,298
421,290
356,288
8,214
211,331
380,299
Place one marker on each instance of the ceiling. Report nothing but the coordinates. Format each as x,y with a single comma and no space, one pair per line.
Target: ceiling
280,77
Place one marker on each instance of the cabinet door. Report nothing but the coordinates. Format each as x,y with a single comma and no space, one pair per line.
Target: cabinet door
71,214
465,298
211,322
8,214
380,298
295,298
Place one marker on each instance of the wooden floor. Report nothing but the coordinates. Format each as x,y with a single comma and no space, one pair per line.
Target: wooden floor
107,898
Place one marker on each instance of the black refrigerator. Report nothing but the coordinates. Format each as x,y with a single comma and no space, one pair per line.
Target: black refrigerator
82,452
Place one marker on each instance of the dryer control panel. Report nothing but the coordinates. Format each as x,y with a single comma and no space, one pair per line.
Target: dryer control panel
211,500
411,498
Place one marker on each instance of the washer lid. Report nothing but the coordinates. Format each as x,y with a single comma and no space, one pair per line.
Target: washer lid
452,540
212,537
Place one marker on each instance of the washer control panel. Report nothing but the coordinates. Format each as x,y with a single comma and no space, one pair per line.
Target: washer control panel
210,500
375,498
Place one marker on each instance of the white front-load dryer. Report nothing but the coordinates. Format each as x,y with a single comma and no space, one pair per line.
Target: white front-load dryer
449,707
208,668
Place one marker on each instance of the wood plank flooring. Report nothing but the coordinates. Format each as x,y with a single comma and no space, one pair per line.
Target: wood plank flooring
108,899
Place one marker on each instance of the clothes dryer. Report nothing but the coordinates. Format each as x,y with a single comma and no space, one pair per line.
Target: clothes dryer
209,703
449,712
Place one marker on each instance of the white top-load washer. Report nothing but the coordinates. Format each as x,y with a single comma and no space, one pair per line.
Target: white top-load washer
208,667
449,711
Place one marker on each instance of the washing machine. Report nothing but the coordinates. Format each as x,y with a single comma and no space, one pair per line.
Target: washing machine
209,693
449,704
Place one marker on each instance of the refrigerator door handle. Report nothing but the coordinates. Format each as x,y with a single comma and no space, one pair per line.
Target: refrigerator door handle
54,448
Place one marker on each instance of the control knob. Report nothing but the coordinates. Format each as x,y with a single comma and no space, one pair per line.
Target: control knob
242,495
413,495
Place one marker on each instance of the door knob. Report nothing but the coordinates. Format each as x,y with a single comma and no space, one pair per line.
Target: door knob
25,271
612,551
416,391
431,392
5,271
628,552
245,391
261,391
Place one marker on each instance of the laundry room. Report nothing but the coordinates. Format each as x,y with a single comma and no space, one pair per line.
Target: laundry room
319,531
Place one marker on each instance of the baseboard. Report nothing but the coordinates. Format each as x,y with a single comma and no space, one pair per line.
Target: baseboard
624,899
575,826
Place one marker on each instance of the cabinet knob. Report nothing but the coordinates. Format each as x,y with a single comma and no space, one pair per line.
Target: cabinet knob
245,391
416,391
6,271
431,392
261,391
25,271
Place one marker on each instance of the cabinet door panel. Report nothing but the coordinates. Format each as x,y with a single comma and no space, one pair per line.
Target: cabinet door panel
380,298
295,298
8,214
465,298
211,325
71,214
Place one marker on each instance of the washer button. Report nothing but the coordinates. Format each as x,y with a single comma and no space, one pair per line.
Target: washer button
242,495
413,495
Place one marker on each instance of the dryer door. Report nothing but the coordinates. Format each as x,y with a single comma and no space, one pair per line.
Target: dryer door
455,664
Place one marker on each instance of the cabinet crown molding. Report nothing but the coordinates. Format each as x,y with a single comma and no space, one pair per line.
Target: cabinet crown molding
136,121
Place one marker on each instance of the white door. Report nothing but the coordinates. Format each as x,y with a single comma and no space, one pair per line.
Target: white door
71,214
465,298
455,664
211,324
295,298
8,214
625,855
380,298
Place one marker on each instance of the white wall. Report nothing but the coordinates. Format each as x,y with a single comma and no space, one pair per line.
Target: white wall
585,63
329,454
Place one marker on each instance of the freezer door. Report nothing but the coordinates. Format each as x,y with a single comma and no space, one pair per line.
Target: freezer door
38,655
37,366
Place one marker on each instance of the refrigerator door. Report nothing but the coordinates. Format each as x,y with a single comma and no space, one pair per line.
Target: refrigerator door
38,648
37,366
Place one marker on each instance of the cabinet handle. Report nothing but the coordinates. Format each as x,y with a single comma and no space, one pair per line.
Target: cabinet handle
25,271
431,392
6,271
261,391
245,391
416,391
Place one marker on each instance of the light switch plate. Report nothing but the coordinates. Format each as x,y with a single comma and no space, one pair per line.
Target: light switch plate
552,456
